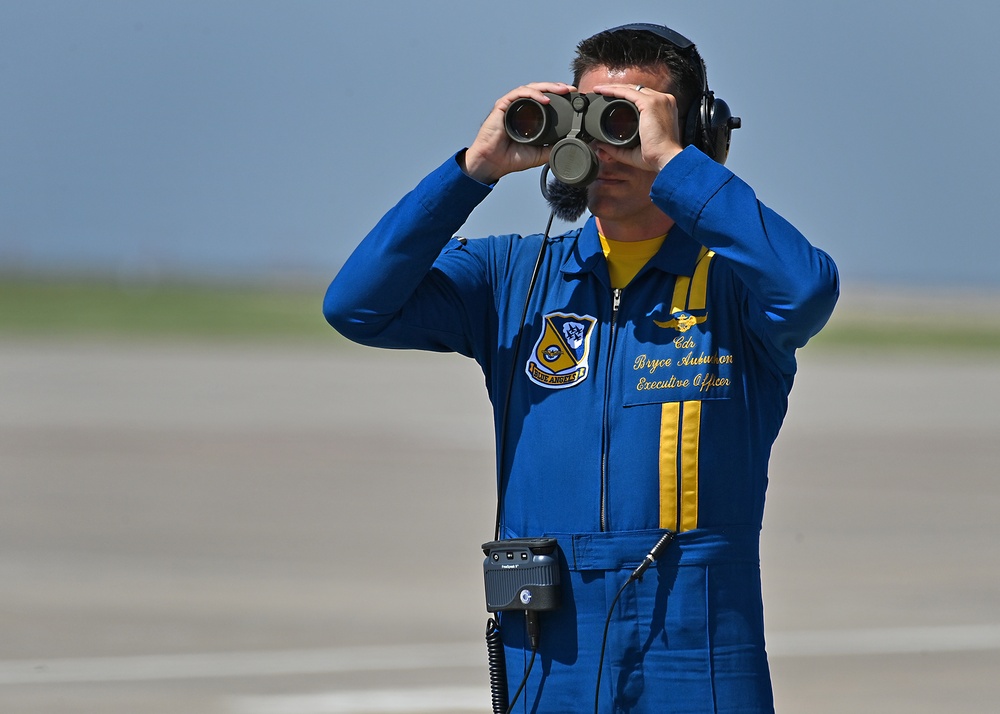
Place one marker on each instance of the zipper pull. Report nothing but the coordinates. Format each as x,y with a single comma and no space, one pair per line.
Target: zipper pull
615,304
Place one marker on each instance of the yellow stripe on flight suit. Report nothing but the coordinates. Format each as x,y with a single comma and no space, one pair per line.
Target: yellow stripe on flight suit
680,422
670,421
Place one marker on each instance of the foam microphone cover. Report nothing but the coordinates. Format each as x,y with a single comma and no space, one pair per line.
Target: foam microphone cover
567,202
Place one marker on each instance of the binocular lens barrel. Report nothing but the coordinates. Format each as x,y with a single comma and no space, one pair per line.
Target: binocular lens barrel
526,121
620,123
613,121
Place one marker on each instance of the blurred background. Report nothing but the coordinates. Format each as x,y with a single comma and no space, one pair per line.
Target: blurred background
243,138
213,504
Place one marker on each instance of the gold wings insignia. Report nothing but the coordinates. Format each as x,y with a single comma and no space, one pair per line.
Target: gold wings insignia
681,321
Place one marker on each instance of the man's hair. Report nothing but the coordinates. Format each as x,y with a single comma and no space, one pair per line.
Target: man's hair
624,49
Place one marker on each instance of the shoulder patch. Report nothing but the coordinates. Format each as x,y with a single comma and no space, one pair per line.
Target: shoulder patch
561,355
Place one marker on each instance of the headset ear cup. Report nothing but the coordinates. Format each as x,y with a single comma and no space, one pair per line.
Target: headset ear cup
719,129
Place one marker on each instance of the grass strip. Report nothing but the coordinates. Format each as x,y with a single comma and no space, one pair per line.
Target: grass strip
903,335
103,309
107,309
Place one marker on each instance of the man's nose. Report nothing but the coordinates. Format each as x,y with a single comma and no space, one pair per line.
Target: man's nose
602,155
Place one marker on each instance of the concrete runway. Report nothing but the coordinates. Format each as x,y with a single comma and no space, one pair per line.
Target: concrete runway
191,528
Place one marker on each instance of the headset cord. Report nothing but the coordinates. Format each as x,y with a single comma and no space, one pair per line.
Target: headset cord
502,458
498,669
651,557
531,618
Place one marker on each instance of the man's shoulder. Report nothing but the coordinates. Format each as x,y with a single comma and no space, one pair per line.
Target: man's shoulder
516,244
511,256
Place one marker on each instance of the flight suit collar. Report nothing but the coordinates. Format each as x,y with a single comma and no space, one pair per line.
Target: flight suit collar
678,255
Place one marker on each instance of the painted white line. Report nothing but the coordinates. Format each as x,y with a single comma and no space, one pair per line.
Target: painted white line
243,664
901,640
396,701
967,638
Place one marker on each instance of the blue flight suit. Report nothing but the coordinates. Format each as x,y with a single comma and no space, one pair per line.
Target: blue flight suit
629,412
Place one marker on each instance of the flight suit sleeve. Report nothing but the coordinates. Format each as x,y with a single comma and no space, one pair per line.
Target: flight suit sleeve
390,293
791,286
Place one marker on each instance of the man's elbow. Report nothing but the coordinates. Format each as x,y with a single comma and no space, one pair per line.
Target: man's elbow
341,315
818,297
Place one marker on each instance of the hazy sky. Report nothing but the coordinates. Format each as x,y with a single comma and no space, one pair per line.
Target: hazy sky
241,137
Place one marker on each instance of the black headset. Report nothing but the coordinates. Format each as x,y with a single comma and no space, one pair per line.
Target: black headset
709,123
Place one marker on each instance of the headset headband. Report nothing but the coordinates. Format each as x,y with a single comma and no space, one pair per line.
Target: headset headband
671,37
662,31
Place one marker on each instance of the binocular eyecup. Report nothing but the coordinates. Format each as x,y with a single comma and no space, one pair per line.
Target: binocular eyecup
568,123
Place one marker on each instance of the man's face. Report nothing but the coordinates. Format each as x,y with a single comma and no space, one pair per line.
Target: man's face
621,192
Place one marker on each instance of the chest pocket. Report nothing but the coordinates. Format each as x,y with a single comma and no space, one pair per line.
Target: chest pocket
680,351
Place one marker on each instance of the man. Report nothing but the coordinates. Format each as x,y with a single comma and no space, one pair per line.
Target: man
641,393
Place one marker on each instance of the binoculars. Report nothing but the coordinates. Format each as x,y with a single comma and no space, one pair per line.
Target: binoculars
568,123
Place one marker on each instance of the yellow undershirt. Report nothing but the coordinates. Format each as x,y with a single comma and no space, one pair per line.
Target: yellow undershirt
626,258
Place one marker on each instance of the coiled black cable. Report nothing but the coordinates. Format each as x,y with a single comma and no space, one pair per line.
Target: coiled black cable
498,666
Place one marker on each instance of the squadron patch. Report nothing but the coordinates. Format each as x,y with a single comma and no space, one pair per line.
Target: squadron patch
560,357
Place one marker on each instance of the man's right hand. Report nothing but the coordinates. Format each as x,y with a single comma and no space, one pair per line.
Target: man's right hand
493,154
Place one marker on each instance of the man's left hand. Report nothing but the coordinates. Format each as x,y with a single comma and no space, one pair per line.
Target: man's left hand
659,127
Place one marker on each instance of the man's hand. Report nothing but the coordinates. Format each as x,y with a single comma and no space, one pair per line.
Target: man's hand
493,154
659,127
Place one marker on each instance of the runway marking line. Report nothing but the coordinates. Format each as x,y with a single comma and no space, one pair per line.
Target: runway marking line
395,701
815,643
